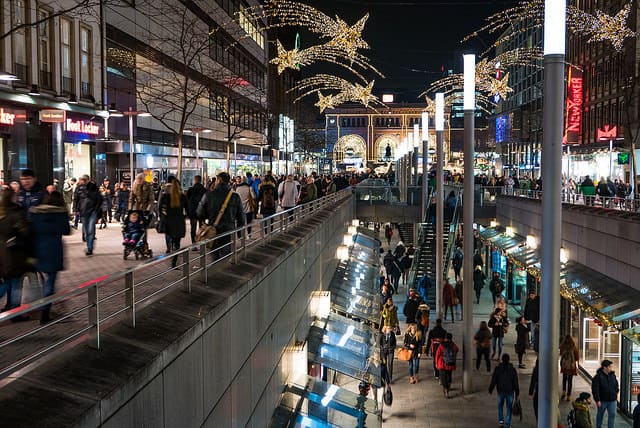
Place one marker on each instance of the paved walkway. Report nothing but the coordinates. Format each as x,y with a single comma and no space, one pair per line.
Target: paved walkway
424,405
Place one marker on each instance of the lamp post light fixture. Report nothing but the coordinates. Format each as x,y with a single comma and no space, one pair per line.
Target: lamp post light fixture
425,163
469,105
553,108
439,200
416,149
131,114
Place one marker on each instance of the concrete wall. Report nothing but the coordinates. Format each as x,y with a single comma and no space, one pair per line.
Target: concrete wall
212,358
606,241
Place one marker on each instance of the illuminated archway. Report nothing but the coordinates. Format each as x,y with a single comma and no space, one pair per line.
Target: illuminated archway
381,152
350,149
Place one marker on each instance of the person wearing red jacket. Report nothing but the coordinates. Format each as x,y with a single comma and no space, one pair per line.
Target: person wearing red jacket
446,362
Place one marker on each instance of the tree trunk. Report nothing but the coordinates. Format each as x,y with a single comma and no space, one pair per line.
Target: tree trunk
179,174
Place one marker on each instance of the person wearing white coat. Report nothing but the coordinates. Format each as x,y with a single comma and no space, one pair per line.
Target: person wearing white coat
288,193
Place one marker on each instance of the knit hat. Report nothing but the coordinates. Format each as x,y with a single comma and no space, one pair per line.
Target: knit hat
584,396
606,363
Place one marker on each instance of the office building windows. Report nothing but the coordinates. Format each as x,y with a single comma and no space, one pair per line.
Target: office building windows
45,55
85,63
20,40
66,56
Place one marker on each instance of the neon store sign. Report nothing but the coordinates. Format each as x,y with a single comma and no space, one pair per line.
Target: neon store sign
573,125
82,127
7,118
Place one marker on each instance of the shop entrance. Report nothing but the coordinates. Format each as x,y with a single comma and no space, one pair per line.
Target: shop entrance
77,159
598,344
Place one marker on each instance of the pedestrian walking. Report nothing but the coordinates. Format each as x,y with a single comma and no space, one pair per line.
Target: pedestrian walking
568,365
446,362
49,222
478,281
604,388
412,341
449,299
389,316
459,294
248,199
505,381
496,286
636,413
388,233
456,262
498,324
483,345
195,193
388,348
532,313
522,340
533,389
87,203
173,210
581,410
436,336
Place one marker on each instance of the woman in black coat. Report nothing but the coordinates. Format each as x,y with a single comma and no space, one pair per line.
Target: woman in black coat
49,221
173,209
522,340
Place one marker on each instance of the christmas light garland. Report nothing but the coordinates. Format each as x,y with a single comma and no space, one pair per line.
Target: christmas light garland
347,91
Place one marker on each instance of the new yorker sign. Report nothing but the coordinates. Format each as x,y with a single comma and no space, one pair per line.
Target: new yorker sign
6,117
82,127
573,122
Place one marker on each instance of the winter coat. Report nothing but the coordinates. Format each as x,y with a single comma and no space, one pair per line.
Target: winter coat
174,216
388,344
604,387
457,259
522,332
478,279
477,260
211,204
410,308
14,243
448,294
405,263
246,194
194,196
48,224
440,364
389,316
497,325
505,379
458,290
87,199
412,339
636,416
496,286
141,197
483,338
132,228
267,184
288,193
31,198
569,360
532,309
311,194
583,416
436,335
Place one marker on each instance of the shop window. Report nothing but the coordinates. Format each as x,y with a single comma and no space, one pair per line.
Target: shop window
20,40
85,63
121,61
66,56
45,55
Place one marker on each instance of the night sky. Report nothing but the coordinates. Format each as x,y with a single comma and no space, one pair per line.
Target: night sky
413,41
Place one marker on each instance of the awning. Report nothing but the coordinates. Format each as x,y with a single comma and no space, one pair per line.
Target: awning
489,232
633,334
308,402
346,346
525,256
506,242
607,299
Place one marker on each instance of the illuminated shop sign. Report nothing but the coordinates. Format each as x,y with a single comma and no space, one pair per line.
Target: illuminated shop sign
501,128
7,118
53,116
82,127
607,132
573,123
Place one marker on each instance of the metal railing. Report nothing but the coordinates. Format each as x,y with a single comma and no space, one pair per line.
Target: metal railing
385,194
92,306
570,197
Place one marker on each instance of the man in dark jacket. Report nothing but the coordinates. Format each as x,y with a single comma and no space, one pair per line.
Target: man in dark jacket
86,203
532,313
388,348
436,336
31,191
232,217
194,196
505,380
604,388
411,306
496,286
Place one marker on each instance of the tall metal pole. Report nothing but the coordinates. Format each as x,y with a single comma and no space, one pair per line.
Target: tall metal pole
198,152
553,107
468,201
439,200
131,172
425,173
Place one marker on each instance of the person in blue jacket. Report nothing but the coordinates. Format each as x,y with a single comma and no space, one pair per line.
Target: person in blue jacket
49,221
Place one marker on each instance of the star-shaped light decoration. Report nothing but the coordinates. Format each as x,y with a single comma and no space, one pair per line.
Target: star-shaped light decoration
361,94
348,38
285,59
330,101
612,28
431,106
499,87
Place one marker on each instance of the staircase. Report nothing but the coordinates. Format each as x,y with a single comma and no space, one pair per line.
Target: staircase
405,231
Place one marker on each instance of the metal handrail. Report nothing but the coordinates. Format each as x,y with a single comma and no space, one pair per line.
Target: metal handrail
453,232
577,198
94,311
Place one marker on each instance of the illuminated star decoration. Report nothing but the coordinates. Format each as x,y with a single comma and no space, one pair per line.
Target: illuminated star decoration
330,101
348,38
296,58
499,87
603,27
347,91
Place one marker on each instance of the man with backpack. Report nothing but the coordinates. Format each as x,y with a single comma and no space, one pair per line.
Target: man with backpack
436,336
446,362
194,196
505,380
267,197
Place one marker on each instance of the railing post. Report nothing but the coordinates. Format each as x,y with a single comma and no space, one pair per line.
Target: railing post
203,261
234,243
186,270
130,297
244,242
94,317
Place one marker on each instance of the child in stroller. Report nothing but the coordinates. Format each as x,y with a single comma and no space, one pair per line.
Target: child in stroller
134,234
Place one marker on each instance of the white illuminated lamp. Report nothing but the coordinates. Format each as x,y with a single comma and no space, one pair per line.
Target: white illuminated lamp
352,230
510,231
355,222
493,223
425,126
387,98
469,81
409,142
320,304
532,241
554,27
564,255
342,252
440,111
416,136
347,239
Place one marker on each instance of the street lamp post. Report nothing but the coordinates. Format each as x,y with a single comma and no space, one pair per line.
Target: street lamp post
439,200
416,147
467,292
553,107
425,172
131,114
197,131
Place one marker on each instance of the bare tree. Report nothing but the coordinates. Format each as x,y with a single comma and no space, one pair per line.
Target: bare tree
309,139
174,82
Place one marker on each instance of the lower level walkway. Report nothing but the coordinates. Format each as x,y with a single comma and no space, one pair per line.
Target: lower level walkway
424,405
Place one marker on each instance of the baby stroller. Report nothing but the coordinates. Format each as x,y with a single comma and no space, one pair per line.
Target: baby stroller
134,234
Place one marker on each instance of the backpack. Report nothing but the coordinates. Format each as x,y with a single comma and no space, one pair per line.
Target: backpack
449,355
571,419
567,361
423,318
268,198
